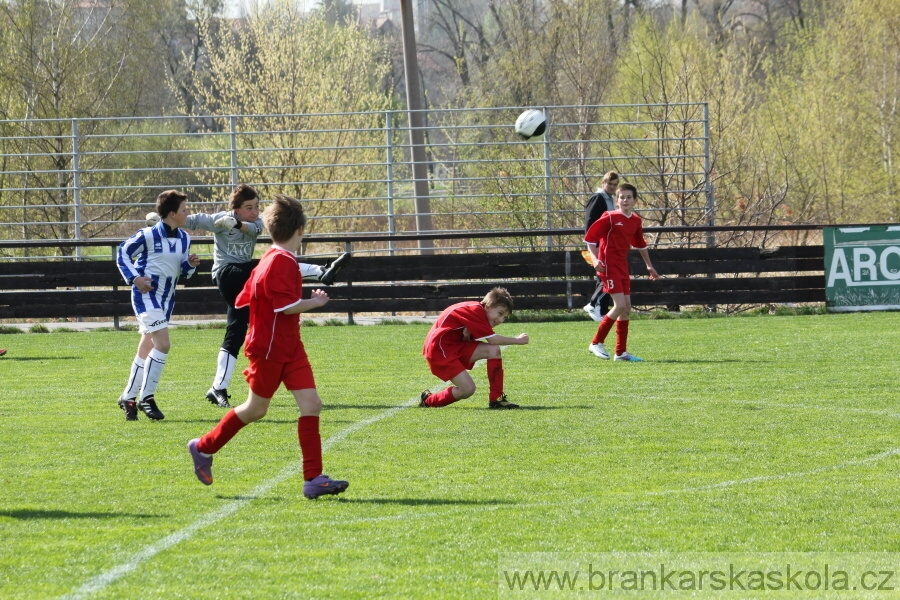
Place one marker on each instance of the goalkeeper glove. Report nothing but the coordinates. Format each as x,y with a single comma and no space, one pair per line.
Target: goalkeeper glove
228,221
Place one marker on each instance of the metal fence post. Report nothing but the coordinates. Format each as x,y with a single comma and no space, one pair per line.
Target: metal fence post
115,288
232,122
389,148
76,185
548,204
710,199
348,248
707,168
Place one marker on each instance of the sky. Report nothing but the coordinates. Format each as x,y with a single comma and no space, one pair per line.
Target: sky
233,9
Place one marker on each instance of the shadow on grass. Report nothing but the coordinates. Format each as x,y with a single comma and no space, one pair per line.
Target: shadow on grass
705,361
29,514
523,407
359,406
215,420
426,501
272,499
37,358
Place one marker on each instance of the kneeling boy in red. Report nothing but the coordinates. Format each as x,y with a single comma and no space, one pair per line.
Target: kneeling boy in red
608,240
274,295
462,335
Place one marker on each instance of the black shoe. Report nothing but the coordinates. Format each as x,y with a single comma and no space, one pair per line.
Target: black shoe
423,398
130,408
148,405
218,397
502,403
332,267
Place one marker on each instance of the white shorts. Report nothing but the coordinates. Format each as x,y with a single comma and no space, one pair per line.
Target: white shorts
152,320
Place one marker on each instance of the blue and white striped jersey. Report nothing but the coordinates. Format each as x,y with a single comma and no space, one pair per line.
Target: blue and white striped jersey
151,253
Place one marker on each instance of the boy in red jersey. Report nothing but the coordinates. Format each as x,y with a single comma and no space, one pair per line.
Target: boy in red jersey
274,295
608,240
462,335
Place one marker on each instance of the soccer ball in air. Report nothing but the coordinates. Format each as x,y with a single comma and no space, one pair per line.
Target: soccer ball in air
531,124
152,219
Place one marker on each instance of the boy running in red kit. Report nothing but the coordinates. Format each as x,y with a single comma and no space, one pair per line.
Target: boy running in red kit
608,240
462,335
274,295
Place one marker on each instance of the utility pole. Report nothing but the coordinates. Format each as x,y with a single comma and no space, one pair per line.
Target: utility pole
416,126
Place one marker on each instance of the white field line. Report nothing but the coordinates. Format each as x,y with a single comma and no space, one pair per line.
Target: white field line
453,510
95,584
104,579
780,476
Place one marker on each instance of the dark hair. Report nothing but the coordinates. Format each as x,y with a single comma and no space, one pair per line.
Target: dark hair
628,188
168,202
498,297
283,217
242,193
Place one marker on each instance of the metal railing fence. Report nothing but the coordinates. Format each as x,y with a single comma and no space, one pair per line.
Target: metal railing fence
96,178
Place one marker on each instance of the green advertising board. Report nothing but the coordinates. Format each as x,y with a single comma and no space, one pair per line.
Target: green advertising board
862,268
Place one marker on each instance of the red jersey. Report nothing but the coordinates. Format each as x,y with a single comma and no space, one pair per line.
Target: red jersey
615,234
446,335
274,285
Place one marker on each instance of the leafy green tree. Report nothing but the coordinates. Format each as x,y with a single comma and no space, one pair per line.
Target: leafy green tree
65,60
313,87
831,117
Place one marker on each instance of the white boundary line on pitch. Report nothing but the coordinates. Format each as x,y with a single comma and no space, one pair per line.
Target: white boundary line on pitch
588,499
795,475
97,583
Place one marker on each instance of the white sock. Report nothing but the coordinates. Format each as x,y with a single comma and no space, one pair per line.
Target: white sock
134,379
224,369
153,369
311,272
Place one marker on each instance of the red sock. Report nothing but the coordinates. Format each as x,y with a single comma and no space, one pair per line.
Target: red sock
621,336
603,330
442,398
495,378
310,446
227,428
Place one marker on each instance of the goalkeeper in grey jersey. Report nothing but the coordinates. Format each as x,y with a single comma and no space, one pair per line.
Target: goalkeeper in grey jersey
235,232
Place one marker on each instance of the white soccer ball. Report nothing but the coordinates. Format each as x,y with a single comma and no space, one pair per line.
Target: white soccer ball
152,219
531,124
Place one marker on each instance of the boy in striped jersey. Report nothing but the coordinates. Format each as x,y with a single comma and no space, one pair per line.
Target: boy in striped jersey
151,262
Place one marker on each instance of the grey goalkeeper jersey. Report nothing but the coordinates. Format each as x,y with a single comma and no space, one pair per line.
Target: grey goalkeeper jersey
232,246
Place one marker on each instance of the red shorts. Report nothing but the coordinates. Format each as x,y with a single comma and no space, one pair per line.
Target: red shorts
616,280
264,376
458,359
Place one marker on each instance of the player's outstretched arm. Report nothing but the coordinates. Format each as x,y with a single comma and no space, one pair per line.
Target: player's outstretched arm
317,298
502,340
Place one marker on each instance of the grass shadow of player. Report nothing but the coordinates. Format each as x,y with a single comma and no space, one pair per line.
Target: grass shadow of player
426,501
27,514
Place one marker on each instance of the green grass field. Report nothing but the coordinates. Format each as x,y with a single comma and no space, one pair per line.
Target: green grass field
737,435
